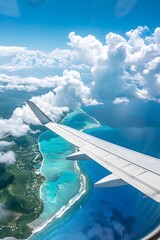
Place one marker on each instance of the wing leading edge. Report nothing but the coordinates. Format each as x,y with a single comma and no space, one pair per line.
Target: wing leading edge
139,170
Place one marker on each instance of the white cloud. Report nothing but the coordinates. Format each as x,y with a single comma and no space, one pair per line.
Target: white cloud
7,157
108,72
70,92
18,124
4,144
88,49
26,84
124,66
156,36
46,103
13,126
154,64
13,82
143,94
135,39
121,69
62,57
119,100
10,50
20,58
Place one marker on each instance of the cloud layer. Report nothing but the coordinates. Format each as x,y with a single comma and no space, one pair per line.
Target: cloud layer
122,67
121,70
7,157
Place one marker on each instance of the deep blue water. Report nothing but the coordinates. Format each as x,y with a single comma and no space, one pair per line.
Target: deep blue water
110,213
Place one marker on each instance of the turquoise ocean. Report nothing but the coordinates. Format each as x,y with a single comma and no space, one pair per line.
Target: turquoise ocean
73,209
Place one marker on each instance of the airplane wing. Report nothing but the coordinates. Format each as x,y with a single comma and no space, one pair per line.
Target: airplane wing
126,166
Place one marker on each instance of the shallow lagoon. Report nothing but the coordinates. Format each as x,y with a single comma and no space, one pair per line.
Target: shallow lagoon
112,213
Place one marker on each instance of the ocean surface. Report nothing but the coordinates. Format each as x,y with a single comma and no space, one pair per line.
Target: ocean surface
73,209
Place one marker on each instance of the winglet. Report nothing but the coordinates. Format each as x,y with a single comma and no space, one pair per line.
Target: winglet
109,181
39,114
78,156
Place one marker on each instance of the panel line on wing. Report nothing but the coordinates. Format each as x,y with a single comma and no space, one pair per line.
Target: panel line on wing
124,163
131,175
65,128
73,137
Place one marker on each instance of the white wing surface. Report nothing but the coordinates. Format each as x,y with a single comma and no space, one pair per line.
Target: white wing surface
127,166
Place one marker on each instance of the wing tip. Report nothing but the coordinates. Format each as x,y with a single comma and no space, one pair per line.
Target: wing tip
43,118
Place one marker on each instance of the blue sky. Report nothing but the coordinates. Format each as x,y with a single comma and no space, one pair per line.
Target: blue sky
79,53
45,24
68,54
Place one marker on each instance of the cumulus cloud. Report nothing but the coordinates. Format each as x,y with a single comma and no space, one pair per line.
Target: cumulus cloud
123,66
12,126
28,84
20,58
5,144
10,50
18,124
7,157
108,72
69,92
46,103
121,100
121,69
88,49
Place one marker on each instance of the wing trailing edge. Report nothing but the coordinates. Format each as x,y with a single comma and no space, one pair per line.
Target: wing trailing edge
139,170
78,156
109,181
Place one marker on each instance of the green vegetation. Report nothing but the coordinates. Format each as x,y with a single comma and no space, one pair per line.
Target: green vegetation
19,189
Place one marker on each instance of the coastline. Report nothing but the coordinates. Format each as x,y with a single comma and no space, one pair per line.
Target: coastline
65,208
96,124
77,197
82,191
